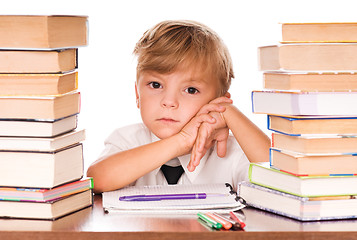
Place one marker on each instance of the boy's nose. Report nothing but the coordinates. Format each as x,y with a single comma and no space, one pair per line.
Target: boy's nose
169,101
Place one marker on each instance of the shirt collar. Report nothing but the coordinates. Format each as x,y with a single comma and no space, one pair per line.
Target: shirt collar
184,160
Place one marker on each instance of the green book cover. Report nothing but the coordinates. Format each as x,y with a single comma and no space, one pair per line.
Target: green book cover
304,186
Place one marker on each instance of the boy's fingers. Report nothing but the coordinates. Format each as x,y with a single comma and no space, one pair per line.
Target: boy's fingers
211,107
214,105
222,148
202,136
222,100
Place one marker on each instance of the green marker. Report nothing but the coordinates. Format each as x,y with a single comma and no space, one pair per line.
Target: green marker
210,222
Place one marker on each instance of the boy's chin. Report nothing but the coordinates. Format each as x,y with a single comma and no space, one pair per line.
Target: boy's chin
165,133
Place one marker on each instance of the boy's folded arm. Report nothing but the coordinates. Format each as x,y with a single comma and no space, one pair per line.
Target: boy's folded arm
122,168
254,142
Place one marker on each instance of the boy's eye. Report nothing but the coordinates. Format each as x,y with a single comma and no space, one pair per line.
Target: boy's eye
155,85
191,90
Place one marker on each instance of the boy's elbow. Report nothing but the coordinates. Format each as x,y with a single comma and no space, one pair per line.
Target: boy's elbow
98,181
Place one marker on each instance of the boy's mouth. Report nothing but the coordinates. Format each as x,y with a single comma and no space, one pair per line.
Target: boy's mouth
167,120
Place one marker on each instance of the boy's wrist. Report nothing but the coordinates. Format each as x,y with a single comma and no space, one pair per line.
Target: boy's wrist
226,112
182,143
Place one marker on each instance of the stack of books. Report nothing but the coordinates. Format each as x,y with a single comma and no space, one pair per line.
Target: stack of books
41,154
310,95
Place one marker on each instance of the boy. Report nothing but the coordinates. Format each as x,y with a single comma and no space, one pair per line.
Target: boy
183,74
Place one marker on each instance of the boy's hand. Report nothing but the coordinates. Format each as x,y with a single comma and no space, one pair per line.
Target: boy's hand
190,131
210,133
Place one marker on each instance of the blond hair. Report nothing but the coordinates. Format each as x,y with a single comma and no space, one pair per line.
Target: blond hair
170,44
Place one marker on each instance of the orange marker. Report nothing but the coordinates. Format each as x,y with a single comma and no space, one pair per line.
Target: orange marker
235,225
225,224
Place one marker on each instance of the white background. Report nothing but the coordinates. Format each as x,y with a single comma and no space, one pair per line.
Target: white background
107,66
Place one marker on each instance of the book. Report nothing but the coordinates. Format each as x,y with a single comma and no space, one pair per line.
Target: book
39,107
295,125
66,222
319,32
221,198
41,144
38,83
279,223
37,128
43,194
304,103
33,169
309,57
300,208
313,164
50,210
304,186
41,31
38,61
315,143
310,81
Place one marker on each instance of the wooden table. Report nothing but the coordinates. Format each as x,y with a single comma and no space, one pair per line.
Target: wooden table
93,223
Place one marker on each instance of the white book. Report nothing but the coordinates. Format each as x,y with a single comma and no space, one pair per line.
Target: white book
46,210
41,169
41,144
304,103
220,198
37,128
301,208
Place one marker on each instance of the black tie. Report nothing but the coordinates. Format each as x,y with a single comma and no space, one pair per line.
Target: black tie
172,174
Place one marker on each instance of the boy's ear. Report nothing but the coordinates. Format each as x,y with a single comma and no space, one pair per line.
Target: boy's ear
137,96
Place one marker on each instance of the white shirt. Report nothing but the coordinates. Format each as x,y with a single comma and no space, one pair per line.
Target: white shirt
233,168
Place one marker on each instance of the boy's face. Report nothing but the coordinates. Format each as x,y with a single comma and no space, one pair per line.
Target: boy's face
167,102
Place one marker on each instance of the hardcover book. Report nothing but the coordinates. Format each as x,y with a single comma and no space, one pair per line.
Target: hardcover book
39,107
43,194
50,210
38,83
298,125
300,208
303,186
304,103
314,164
41,144
41,169
310,81
315,143
319,32
309,57
43,31
37,128
38,61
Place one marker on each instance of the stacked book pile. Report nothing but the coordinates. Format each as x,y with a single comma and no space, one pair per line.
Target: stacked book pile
41,154
310,97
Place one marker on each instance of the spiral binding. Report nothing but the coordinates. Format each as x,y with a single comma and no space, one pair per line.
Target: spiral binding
237,198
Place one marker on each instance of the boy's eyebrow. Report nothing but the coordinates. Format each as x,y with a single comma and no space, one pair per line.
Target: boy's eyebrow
197,80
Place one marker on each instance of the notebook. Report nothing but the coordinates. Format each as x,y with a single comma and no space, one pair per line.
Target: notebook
220,198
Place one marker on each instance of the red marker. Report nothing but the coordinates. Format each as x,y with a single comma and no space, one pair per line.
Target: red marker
235,218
